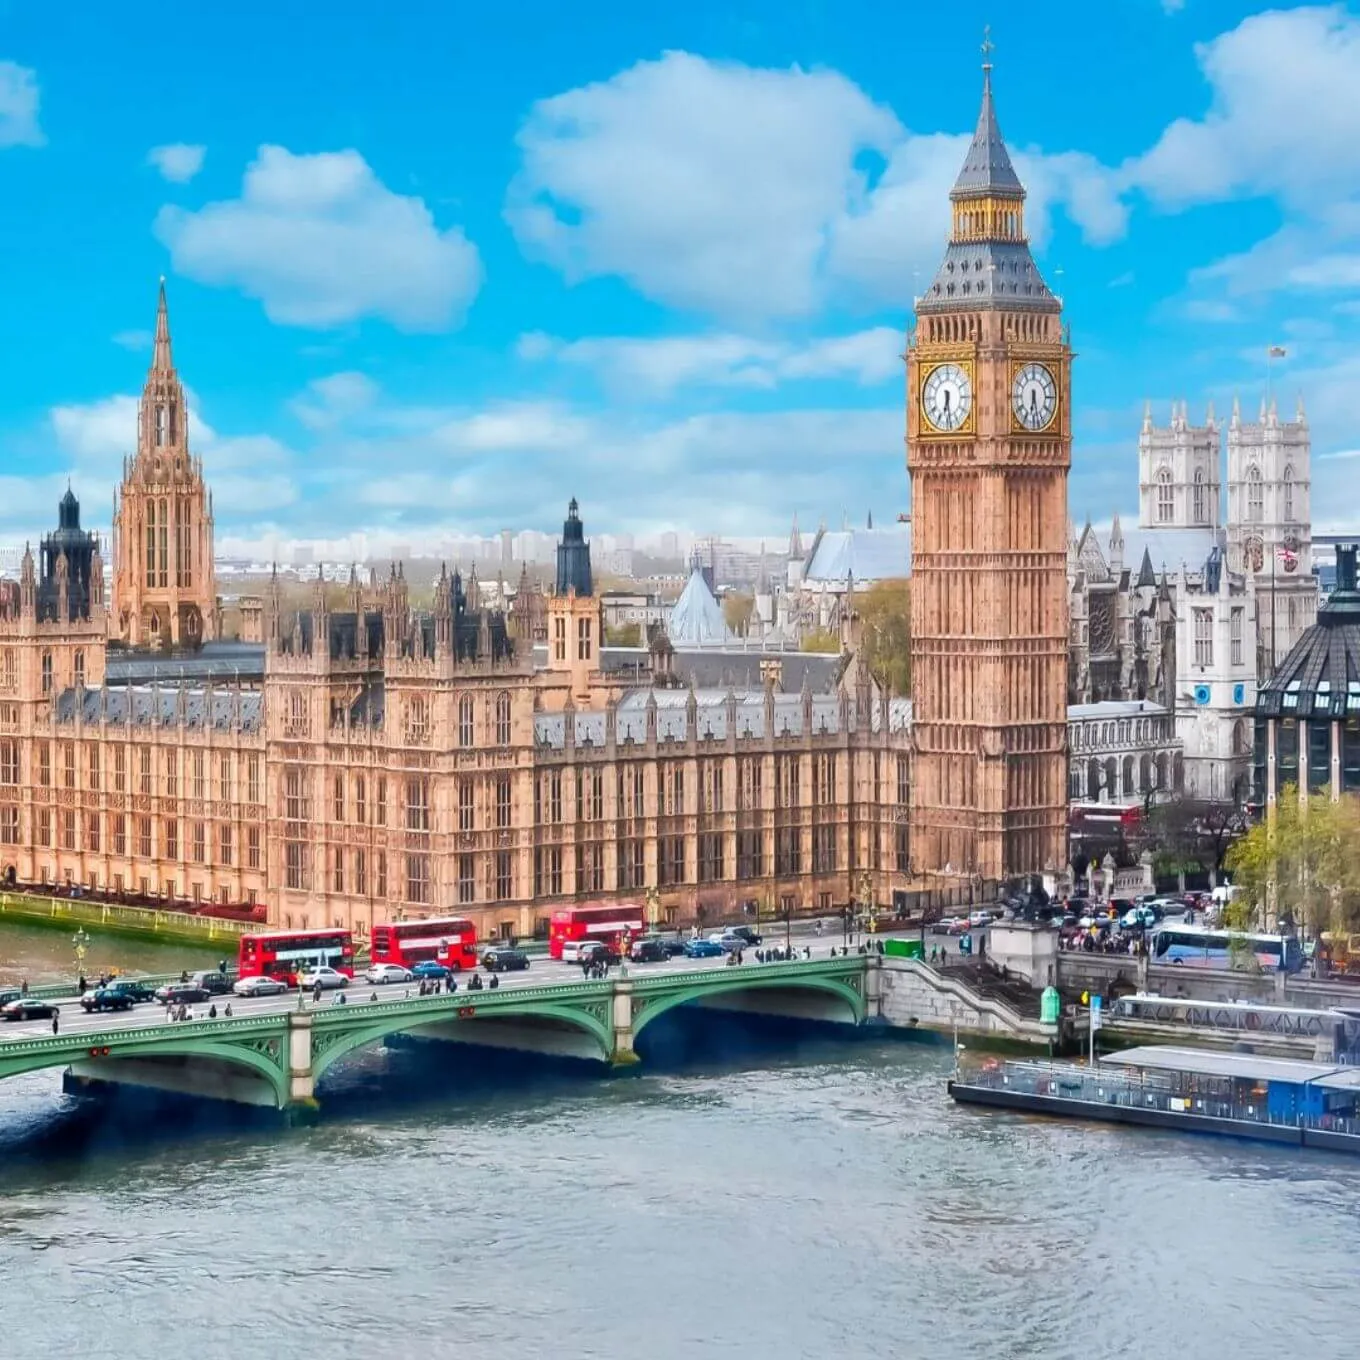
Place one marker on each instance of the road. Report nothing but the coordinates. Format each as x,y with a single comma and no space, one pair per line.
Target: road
75,1020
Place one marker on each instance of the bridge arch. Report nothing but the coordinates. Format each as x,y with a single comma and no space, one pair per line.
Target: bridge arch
261,1064
381,1027
753,982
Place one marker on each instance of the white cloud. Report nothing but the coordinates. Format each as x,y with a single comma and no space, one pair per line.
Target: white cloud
177,162
322,242
98,431
656,367
19,106
707,185
746,193
1285,116
333,400
247,473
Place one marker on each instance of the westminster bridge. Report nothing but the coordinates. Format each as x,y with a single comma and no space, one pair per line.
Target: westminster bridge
274,1051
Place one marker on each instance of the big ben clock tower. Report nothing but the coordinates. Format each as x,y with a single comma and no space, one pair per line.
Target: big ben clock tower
989,445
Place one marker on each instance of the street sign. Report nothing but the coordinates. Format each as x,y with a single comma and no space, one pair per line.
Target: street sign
1095,1013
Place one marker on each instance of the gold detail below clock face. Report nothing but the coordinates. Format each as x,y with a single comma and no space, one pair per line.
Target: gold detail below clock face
947,397
1034,397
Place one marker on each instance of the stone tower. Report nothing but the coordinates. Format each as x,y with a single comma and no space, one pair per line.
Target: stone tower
1270,524
164,586
573,612
988,451
1178,477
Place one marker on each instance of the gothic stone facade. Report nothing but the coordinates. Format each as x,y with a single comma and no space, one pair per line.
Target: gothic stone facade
401,762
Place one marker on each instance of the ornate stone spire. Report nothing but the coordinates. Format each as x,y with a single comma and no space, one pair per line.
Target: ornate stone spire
162,361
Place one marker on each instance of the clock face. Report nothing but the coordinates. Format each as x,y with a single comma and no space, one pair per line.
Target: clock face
947,397
1034,397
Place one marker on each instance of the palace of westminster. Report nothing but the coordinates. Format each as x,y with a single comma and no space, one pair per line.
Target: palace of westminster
361,759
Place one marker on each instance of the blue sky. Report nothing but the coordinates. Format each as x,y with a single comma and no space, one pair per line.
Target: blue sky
436,267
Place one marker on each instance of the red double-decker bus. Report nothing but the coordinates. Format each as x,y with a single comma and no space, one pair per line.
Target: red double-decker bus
283,954
605,923
450,940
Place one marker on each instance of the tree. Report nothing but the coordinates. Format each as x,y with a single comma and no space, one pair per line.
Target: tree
1301,864
885,617
1187,834
821,640
737,607
625,635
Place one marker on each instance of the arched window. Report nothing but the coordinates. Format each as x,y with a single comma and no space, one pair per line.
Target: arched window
503,719
1128,777
465,720
1289,492
1256,496
80,669
151,545
1166,497
1201,498
47,672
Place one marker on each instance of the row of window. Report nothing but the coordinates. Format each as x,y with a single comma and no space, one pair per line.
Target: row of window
1199,491
1203,620
221,775
358,873
1109,733
66,829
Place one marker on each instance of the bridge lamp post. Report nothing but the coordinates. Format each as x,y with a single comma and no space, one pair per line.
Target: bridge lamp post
625,944
80,942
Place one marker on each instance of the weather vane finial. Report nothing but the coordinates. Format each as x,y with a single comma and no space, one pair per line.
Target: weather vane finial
987,46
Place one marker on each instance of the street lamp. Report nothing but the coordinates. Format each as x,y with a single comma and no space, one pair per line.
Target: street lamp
625,943
80,942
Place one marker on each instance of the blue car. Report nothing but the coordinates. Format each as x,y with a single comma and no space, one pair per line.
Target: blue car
430,969
703,949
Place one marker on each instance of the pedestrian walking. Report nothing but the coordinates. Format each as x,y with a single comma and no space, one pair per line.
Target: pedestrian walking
227,1011
212,1011
23,987
56,1021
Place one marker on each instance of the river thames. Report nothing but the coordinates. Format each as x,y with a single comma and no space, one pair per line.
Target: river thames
810,1197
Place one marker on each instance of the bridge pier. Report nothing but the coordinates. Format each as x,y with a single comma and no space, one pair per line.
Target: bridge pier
301,1082
621,1006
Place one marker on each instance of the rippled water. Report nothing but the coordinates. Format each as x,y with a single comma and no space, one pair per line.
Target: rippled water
820,1198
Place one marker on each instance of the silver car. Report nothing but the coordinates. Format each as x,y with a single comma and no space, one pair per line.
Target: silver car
325,977
259,985
387,972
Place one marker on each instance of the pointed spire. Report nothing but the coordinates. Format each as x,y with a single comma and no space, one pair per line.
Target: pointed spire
1210,417
1147,415
161,359
1300,415
1237,409
987,167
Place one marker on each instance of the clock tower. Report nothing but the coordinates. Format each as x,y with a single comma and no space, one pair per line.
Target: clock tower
989,445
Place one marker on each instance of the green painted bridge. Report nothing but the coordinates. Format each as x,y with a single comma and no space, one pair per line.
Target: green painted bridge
276,1057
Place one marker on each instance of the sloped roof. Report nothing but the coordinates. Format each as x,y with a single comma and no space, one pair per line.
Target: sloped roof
1321,675
867,555
697,618
987,168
